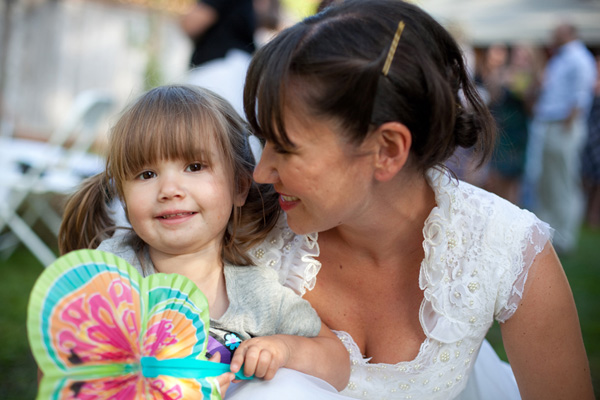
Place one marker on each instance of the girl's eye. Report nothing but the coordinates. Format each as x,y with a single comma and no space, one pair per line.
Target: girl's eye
195,167
146,175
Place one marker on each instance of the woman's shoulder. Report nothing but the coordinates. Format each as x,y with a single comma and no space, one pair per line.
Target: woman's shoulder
469,206
471,216
478,249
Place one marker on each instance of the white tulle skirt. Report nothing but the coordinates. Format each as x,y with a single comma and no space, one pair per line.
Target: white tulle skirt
491,379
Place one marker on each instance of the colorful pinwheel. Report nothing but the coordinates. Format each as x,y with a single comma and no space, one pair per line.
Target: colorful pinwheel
98,330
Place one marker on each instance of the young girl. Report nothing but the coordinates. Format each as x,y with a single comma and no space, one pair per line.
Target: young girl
180,161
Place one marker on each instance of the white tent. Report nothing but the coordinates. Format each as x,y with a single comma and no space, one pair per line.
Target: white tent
488,21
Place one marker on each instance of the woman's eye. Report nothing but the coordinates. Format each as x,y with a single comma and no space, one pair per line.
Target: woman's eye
195,167
277,148
146,175
280,150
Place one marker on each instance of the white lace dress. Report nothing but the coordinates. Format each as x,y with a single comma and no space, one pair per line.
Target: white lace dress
478,250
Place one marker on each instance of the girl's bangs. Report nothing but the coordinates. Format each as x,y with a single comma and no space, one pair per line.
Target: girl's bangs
170,135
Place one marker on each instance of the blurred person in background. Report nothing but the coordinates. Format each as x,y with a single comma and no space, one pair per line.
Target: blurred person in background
591,158
222,32
269,21
561,114
510,83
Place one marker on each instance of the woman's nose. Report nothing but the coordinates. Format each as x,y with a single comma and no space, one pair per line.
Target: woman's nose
266,171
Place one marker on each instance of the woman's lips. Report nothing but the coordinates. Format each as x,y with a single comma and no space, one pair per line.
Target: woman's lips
288,202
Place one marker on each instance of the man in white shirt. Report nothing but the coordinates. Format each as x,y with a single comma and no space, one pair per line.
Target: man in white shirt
560,119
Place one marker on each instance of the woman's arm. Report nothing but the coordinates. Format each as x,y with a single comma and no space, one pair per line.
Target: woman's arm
543,338
323,356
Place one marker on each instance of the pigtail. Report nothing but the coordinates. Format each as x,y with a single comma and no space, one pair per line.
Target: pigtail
86,219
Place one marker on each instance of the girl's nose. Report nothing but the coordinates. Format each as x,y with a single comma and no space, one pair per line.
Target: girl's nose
170,188
266,171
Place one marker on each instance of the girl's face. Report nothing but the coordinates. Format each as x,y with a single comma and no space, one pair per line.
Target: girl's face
324,182
181,207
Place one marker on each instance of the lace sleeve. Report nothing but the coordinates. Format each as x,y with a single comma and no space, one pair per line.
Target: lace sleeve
291,256
511,292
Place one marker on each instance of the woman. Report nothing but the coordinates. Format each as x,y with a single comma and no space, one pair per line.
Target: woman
510,82
360,106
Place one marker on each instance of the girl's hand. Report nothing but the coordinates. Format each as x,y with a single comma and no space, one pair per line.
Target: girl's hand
225,379
261,356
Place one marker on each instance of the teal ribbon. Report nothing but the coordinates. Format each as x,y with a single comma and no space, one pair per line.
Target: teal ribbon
185,368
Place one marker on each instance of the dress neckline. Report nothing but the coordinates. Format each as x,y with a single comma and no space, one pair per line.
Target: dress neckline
437,181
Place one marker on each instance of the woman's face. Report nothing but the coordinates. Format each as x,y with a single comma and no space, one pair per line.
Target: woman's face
324,182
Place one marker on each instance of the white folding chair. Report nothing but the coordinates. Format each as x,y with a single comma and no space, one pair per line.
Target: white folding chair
33,171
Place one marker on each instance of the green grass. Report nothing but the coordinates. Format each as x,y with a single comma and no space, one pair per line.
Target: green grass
18,370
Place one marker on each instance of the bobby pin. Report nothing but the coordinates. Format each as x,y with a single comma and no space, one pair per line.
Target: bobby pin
390,56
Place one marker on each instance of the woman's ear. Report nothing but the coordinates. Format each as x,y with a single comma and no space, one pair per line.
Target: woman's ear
239,198
393,147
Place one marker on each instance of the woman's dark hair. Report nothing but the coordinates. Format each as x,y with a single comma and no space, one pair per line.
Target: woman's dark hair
332,63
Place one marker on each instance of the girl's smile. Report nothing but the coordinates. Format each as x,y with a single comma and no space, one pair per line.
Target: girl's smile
176,216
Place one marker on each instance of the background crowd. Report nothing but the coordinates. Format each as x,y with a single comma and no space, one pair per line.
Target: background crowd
544,100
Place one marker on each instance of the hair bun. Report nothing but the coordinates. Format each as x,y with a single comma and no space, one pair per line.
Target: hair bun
467,128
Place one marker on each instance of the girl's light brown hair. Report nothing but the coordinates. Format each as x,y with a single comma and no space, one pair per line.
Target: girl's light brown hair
175,122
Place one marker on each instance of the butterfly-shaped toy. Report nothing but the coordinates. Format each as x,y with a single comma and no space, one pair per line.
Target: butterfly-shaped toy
98,330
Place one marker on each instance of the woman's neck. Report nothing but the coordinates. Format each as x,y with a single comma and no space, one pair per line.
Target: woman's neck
205,270
393,224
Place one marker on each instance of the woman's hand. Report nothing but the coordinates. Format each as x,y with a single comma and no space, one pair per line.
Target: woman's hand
261,356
